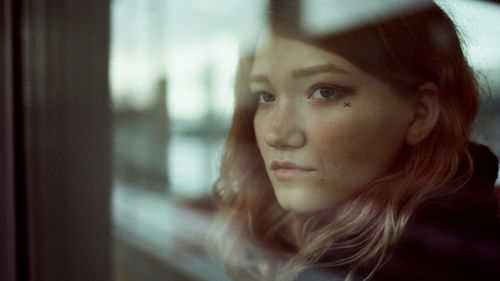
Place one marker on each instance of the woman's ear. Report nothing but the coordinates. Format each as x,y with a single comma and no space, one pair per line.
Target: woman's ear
426,111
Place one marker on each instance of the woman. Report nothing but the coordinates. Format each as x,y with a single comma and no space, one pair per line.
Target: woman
348,157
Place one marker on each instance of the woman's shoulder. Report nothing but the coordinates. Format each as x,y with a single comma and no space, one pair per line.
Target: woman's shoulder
473,202
446,245
456,237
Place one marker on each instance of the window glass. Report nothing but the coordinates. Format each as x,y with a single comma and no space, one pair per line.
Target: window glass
172,74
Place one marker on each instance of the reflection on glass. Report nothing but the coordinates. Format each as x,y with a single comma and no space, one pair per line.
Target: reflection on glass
172,74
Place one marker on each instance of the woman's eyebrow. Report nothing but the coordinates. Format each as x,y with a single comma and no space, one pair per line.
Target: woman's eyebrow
258,78
302,72
313,70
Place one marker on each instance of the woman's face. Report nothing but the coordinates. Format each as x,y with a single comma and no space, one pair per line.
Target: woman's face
324,127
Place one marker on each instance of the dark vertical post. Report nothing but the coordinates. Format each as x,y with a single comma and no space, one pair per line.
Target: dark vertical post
65,131
8,257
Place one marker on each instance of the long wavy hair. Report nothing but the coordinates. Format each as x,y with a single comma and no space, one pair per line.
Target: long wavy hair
259,240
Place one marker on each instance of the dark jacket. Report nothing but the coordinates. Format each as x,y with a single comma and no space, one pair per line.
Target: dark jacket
456,237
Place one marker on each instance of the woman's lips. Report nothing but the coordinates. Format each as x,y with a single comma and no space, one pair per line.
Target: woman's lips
283,170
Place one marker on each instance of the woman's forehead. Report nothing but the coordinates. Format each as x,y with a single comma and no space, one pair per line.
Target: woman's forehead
279,53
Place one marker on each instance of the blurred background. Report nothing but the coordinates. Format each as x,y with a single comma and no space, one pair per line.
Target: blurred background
172,67
172,71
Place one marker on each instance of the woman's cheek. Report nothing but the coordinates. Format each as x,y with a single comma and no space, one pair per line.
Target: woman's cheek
337,133
347,150
261,126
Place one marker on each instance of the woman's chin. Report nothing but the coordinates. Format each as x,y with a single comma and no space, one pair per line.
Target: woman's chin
305,203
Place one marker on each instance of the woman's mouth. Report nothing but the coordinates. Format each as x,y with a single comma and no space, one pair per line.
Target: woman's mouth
285,170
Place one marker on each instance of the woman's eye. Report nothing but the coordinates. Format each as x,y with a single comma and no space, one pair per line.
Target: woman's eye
265,97
324,92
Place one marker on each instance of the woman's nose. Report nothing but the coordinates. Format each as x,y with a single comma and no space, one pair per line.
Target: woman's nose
285,130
